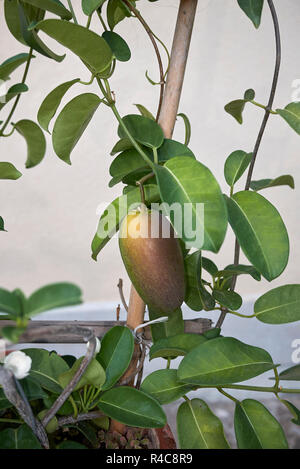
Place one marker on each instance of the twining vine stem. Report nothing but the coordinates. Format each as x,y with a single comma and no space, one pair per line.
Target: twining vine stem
268,111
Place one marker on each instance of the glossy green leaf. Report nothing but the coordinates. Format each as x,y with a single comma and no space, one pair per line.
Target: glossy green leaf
143,130
9,171
118,46
224,360
9,65
171,148
196,297
253,9
198,427
89,6
260,231
122,145
125,163
32,391
86,44
2,224
54,6
239,269
46,367
50,104
280,305
285,180
35,140
187,126
164,386
116,12
132,407
235,109
291,114
256,428
21,437
174,325
209,266
177,345
235,166
187,181
9,303
112,216
229,299
94,375
72,122
144,112
115,354
52,296
291,374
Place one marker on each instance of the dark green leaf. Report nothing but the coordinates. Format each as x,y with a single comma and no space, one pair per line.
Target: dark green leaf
253,9
86,44
239,269
144,130
235,166
89,6
121,145
32,390
291,374
249,94
112,216
197,297
13,91
9,303
50,104
52,296
209,266
279,306
125,163
176,345
2,224
118,46
285,180
199,428
187,126
293,410
19,438
144,112
236,108
173,326
132,407
191,184
35,140
115,354
72,122
260,231
229,299
164,386
46,368
9,65
116,12
9,171
256,428
223,361
291,114
54,6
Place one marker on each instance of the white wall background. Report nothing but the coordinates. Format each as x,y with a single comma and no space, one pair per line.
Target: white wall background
50,213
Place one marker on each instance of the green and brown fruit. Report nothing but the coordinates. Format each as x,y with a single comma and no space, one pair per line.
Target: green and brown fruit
153,259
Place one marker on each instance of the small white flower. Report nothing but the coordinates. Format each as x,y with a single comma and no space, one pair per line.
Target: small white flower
98,346
19,363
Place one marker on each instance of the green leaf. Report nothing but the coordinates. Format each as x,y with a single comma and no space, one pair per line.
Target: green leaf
144,112
89,6
291,374
229,299
173,326
72,122
12,333
249,94
285,180
115,354
280,305
125,163
121,145
253,9
143,130
116,12
236,108
9,303
9,65
164,386
260,231
171,148
46,367
50,104
239,269
198,427
86,44
32,390
13,91
54,6
9,171
52,296
187,126
187,181
94,375
19,438
132,407
118,46
256,428
224,360
235,166
197,297
209,266
291,114
176,345
293,410
2,224
35,140
112,216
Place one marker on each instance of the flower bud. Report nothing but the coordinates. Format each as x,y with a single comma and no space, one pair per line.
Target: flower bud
19,363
